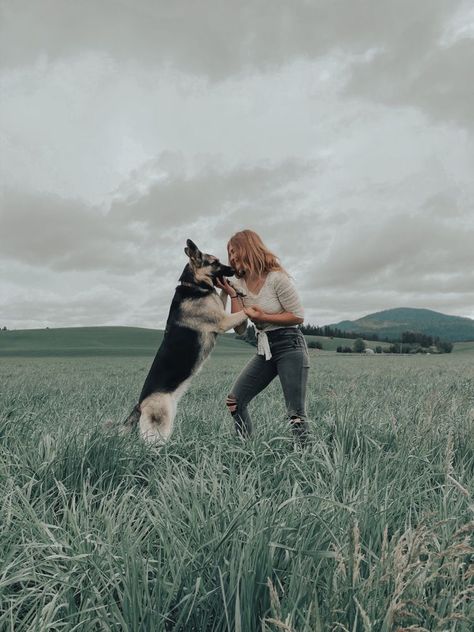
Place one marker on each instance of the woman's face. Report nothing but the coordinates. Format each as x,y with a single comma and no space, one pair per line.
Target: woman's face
235,262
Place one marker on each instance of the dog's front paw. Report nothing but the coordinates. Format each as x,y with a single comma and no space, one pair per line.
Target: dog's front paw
243,319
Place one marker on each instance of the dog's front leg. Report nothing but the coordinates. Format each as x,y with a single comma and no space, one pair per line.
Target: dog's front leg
223,296
229,321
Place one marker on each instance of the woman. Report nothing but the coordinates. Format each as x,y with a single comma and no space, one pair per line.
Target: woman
270,300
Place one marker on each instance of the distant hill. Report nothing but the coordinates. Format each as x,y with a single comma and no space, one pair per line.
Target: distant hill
391,323
96,341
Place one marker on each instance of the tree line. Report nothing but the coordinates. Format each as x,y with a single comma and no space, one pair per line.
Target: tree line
409,342
359,346
334,332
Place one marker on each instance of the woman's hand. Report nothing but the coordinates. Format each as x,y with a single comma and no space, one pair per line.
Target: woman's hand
255,314
225,285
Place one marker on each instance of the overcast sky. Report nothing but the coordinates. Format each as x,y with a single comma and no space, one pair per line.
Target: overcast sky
340,130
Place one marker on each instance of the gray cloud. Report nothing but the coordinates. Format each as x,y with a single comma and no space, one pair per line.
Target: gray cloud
67,234
97,307
431,78
403,253
175,201
368,257
410,64
211,37
63,234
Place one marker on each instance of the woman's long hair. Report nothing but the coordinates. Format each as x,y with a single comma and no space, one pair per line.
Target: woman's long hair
253,253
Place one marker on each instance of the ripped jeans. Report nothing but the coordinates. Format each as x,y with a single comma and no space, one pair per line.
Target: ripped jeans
290,361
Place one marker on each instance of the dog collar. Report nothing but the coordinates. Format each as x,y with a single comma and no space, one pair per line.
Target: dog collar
197,287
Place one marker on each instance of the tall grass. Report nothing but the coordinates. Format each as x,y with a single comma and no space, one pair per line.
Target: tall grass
369,527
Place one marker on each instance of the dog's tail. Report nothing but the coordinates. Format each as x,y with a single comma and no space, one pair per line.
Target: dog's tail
130,422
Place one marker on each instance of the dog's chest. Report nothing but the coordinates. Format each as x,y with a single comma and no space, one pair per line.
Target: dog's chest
203,314
207,341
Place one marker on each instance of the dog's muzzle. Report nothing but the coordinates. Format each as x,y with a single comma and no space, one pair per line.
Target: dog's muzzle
226,271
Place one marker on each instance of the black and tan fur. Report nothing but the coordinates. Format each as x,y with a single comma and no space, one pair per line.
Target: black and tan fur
197,314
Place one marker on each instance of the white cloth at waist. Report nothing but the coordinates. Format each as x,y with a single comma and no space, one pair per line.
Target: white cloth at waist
263,346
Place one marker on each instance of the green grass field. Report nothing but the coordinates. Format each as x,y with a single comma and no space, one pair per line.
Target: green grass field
369,527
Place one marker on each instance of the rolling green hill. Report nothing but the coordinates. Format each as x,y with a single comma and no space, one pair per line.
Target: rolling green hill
120,341
134,341
464,347
391,323
96,341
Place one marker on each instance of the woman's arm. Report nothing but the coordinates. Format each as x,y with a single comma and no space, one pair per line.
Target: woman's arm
289,299
236,306
284,318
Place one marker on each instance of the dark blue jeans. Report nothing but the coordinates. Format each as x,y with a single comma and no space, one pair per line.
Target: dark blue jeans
290,361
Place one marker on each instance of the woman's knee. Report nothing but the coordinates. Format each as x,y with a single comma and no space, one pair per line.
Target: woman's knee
232,403
236,403
237,409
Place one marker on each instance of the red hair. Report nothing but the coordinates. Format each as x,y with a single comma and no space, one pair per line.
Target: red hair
253,253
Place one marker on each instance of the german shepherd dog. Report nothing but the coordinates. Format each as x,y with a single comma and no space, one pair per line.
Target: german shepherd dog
197,314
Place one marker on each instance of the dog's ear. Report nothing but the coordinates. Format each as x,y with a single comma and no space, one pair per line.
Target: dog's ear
192,250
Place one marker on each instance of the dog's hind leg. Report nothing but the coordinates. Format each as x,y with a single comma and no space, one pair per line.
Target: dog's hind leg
156,420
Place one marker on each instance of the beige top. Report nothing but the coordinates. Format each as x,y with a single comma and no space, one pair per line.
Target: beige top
277,295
